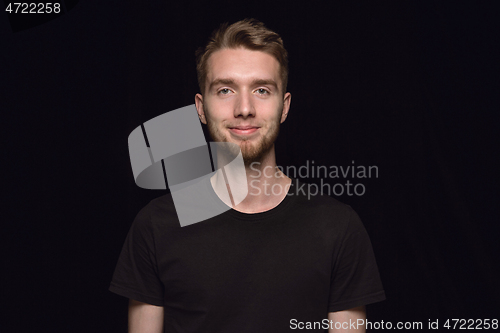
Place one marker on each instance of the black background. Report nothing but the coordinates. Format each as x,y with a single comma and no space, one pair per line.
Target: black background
411,87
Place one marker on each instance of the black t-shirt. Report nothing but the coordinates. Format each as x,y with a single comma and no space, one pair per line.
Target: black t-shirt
239,272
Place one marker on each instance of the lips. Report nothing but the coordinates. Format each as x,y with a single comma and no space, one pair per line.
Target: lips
243,130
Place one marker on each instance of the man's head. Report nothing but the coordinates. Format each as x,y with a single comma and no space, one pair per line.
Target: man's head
248,34
242,74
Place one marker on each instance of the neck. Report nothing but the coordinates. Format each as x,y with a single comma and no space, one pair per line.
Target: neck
267,186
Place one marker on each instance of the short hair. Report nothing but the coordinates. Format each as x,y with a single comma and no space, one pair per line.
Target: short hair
248,33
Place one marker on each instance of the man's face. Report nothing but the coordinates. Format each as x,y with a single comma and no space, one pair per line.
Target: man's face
243,102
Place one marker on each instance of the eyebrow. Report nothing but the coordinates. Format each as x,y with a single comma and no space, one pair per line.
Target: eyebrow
256,82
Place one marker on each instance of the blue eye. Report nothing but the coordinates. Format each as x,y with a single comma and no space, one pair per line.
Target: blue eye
224,91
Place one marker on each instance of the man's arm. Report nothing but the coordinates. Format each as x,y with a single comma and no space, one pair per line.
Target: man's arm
144,318
346,318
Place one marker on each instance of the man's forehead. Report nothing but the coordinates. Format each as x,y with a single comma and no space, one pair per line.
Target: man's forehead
242,65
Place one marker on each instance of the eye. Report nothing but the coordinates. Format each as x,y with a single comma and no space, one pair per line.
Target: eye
224,91
262,91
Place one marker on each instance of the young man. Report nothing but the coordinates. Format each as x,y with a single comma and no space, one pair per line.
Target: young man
275,262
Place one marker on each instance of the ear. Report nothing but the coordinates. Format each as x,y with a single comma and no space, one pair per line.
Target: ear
198,101
287,99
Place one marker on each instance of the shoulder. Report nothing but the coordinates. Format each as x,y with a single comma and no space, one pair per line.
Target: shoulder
324,210
158,213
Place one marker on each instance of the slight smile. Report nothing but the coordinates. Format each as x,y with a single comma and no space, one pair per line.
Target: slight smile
243,130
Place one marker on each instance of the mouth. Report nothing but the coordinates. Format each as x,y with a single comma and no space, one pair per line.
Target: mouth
243,130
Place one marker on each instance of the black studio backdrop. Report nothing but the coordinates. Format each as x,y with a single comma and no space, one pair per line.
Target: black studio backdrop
409,87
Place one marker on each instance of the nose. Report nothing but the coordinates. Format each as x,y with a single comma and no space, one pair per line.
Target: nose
244,107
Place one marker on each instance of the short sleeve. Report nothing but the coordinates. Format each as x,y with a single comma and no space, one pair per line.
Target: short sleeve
355,278
136,273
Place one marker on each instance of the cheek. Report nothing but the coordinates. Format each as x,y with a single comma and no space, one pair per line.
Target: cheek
219,112
216,122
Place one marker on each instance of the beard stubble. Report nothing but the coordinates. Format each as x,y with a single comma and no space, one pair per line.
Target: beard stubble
251,152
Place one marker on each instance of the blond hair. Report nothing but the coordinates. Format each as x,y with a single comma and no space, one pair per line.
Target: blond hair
248,33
